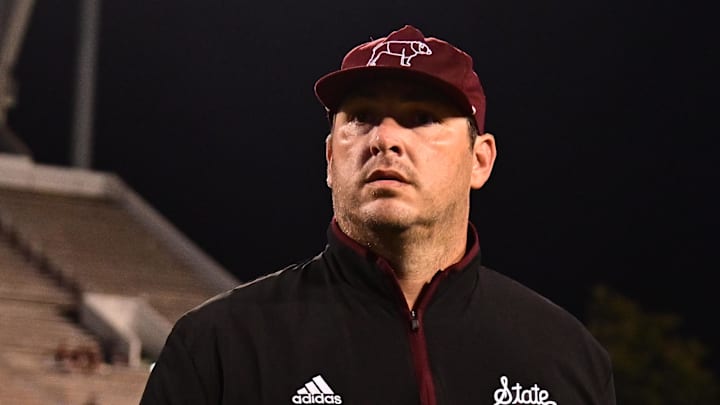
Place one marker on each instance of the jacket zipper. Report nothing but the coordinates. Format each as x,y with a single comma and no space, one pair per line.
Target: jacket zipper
414,323
418,343
421,361
416,336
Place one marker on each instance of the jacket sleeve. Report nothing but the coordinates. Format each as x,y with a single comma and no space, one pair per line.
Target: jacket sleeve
174,379
610,398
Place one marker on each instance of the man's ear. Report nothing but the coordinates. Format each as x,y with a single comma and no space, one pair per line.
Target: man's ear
328,159
484,152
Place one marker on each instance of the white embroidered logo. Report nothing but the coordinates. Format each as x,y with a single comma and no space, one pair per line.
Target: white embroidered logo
518,395
405,50
316,391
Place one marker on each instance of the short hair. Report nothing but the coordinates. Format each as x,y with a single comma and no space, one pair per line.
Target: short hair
473,129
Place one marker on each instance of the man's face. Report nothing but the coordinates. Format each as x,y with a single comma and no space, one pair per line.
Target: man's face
401,155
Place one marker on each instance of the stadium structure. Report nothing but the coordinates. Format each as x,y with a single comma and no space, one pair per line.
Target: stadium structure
92,277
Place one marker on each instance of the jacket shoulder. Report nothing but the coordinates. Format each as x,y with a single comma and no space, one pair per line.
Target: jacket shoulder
546,326
519,299
280,286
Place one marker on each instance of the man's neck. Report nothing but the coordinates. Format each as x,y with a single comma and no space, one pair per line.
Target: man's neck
417,255
416,265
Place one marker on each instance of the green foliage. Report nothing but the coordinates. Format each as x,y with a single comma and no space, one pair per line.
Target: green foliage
652,363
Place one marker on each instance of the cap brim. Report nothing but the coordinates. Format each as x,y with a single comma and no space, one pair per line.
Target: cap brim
332,88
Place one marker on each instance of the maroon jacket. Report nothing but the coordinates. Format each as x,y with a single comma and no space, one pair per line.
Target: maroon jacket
336,330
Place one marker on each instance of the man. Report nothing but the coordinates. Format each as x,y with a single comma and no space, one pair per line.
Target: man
398,308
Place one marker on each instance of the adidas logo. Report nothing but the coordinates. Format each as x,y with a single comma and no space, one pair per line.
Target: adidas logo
316,391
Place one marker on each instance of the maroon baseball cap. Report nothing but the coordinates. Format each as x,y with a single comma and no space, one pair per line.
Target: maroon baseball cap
407,53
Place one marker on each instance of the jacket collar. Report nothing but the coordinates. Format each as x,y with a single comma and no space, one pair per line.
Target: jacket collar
363,269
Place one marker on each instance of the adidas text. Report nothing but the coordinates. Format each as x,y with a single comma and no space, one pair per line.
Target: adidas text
316,399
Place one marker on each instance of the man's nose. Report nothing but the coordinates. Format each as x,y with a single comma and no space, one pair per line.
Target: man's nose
387,137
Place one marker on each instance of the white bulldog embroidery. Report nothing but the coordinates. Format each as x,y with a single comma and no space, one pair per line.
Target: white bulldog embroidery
405,50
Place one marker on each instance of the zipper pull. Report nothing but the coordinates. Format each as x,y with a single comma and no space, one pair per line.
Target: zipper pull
414,322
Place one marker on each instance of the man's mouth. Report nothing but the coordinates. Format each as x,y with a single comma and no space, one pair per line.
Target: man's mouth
386,175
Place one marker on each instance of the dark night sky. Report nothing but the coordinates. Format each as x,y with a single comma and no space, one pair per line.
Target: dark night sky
604,112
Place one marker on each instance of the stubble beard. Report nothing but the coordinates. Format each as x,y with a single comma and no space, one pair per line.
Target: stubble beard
370,222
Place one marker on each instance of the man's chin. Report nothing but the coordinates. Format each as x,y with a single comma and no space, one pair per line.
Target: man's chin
387,219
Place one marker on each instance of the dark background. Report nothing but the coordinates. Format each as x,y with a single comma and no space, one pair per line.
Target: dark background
605,115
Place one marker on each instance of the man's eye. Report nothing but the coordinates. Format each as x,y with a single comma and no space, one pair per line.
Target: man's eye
421,118
361,116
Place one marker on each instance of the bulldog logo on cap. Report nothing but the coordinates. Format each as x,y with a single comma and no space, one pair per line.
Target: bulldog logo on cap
405,50
404,54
